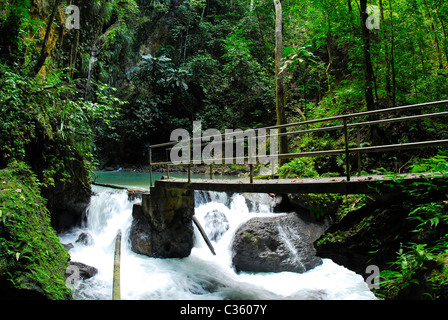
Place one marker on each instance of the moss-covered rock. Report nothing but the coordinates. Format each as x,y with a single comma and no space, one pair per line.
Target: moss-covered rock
32,260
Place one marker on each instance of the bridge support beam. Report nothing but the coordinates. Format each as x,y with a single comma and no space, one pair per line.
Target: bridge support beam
162,226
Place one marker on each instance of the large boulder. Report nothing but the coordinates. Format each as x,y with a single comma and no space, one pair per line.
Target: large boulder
276,244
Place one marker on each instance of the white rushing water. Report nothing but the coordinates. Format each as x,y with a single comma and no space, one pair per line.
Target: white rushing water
201,275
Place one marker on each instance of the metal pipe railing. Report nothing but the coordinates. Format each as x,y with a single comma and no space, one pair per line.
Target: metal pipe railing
345,127
335,118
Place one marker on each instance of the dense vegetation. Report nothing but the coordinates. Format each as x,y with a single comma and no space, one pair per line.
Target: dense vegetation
31,257
74,99
406,239
178,61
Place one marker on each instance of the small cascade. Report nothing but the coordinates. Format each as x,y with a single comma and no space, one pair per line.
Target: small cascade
93,58
202,275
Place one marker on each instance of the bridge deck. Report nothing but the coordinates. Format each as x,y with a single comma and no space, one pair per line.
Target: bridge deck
357,185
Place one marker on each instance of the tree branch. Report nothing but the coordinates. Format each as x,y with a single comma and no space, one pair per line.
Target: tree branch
43,53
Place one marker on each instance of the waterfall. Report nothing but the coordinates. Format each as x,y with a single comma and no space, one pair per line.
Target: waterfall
93,59
201,275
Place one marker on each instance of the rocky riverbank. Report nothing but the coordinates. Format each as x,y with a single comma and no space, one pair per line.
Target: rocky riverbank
228,170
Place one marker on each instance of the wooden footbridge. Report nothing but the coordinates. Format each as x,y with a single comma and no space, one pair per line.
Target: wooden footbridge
356,185
353,146
166,214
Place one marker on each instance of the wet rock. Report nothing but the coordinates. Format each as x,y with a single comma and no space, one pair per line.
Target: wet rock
261,202
68,246
85,239
276,244
78,271
140,233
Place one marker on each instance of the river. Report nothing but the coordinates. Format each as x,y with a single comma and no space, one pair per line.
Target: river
141,180
201,275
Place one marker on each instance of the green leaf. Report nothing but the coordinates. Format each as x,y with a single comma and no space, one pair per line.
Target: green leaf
287,51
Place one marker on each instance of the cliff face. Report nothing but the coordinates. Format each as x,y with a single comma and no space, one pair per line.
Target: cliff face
34,111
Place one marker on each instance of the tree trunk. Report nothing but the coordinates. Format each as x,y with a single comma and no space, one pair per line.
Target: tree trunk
375,134
444,36
386,54
73,55
444,32
330,56
436,39
43,53
392,57
279,86
350,12
368,69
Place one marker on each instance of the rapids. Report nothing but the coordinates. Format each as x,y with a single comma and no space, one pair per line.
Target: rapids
201,275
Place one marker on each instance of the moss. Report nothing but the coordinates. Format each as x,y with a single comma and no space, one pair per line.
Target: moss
31,256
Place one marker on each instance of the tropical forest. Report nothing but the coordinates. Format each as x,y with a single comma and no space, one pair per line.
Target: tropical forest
87,87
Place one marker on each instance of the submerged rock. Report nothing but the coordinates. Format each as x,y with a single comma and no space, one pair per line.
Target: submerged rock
262,202
68,246
80,271
216,224
85,238
276,244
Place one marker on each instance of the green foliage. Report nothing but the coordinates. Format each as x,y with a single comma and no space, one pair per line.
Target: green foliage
429,216
437,165
31,256
50,119
320,205
161,86
417,266
298,168
423,264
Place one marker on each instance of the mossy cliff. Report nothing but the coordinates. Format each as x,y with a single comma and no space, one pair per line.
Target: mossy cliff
32,260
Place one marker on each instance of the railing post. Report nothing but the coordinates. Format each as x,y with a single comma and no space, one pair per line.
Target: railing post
347,151
251,173
189,173
150,176
168,171
150,167
211,171
358,143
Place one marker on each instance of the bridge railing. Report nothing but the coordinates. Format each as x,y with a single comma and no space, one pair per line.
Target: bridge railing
344,126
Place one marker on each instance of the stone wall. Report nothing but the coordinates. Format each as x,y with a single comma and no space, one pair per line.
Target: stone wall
162,225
